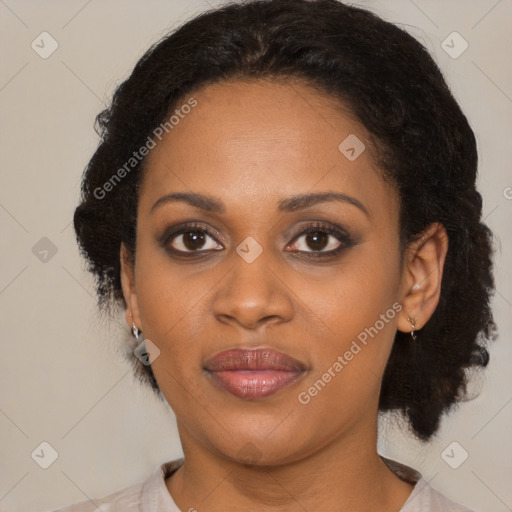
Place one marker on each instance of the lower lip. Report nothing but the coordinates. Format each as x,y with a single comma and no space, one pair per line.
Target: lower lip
253,384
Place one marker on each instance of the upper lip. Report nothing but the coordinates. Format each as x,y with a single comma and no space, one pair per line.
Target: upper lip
253,359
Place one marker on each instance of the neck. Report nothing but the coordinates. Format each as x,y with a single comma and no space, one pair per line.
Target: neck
346,474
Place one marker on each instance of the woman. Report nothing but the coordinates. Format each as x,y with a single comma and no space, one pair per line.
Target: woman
284,204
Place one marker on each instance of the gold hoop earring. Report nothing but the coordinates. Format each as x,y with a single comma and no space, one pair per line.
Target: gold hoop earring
413,325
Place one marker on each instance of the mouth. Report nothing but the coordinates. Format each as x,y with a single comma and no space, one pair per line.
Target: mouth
253,373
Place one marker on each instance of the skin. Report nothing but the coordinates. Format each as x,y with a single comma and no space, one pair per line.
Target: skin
251,145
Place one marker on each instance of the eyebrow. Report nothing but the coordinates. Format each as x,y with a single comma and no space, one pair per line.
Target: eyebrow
290,204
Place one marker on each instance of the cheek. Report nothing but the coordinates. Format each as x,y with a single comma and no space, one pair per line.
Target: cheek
170,300
167,292
171,309
360,308
362,289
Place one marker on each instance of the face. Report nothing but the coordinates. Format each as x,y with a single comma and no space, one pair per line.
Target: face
272,291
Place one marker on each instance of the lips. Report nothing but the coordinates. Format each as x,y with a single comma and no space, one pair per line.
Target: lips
253,373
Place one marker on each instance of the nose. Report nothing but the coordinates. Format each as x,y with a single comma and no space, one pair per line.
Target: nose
253,294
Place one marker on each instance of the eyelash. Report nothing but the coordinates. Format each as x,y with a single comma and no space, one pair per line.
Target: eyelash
318,227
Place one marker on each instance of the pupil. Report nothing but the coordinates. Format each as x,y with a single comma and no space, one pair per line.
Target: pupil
317,240
193,239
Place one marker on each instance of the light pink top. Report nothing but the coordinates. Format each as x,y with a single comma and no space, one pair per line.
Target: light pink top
152,494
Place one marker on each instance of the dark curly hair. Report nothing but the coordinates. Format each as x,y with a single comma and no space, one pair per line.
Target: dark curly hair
420,138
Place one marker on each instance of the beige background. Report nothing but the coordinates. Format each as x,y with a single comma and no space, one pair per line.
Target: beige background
63,379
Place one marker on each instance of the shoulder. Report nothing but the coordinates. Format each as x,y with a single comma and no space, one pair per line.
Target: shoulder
128,499
136,498
425,498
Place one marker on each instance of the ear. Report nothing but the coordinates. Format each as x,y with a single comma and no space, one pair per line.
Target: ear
421,277
128,287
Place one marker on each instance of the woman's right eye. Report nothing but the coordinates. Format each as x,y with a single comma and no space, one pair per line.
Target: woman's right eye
192,240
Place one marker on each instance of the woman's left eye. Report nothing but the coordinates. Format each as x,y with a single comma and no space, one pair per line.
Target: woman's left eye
319,241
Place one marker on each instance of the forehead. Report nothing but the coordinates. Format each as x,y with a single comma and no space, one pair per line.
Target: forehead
260,140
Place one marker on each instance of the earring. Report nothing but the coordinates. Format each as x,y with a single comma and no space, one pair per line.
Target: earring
135,329
413,325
